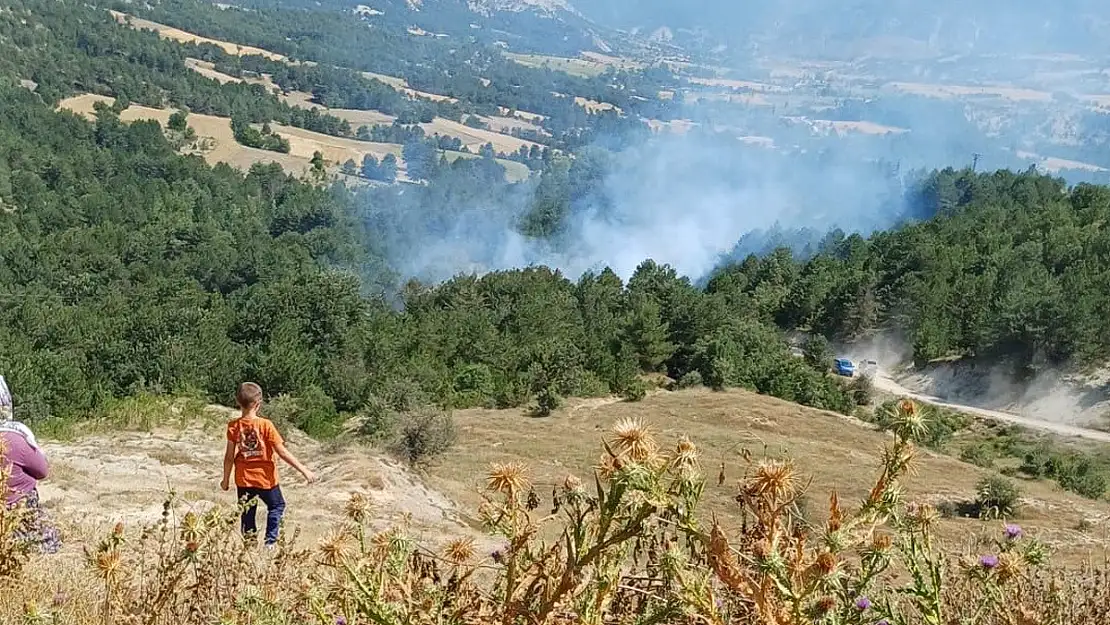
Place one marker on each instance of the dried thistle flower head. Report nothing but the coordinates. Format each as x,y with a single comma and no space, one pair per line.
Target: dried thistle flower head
358,507
381,544
686,446
571,484
836,516
633,438
774,479
508,479
1010,566
334,547
826,563
922,515
607,466
108,564
686,455
825,605
459,551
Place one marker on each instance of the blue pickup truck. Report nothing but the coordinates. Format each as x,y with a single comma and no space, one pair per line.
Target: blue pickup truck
844,367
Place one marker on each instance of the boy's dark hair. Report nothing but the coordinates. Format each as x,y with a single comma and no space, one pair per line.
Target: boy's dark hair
248,395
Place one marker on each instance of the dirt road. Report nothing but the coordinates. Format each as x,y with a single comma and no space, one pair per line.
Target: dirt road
884,382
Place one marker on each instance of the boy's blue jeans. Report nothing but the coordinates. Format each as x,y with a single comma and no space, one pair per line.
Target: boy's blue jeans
275,507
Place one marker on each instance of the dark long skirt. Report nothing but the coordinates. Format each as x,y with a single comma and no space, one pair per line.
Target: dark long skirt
37,529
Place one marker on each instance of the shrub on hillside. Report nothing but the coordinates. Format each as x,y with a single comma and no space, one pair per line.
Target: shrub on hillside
690,379
996,497
635,391
548,401
862,390
1079,475
511,393
978,455
816,352
473,386
425,434
1038,462
314,413
379,422
404,394
1074,472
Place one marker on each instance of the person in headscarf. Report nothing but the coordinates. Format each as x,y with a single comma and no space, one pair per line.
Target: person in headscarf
24,464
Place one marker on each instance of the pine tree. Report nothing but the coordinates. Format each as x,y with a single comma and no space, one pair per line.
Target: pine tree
647,334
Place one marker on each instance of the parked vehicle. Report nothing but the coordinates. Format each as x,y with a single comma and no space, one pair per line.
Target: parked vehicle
844,367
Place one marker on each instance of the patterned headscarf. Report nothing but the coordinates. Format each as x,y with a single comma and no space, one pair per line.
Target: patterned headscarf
6,414
6,406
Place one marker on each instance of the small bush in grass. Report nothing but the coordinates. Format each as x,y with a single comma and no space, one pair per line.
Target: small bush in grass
1079,475
635,391
996,497
690,379
862,390
548,401
425,433
310,411
1038,462
316,414
978,455
405,395
379,421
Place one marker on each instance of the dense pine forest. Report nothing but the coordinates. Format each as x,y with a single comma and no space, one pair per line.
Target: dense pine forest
126,267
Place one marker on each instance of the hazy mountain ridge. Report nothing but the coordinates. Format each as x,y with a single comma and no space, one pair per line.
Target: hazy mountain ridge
818,26
541,26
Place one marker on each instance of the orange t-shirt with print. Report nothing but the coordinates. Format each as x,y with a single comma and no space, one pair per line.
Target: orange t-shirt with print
255,439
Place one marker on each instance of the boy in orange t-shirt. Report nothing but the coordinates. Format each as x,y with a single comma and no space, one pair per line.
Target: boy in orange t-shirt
252,443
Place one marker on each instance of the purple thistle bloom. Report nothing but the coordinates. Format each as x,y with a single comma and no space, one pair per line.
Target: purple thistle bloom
863,604
339,620
988,561
1013,532
883,622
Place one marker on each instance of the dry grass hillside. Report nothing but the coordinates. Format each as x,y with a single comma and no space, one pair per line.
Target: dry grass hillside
838,452
473,138
121,472
216,143
109,476
176,34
